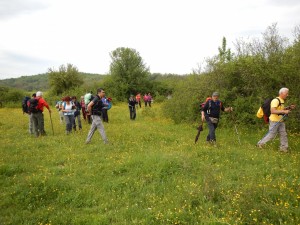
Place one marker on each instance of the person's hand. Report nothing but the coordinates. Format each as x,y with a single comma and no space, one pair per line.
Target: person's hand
292,106
203,118
286,111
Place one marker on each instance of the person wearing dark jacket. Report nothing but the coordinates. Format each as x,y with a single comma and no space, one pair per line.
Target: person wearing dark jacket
95,109
76,113
211,113
131,104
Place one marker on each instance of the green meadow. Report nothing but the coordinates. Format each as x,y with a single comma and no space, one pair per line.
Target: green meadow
152,172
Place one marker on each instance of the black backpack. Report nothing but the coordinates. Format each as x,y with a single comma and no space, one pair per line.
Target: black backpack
24,104
33,103
266,107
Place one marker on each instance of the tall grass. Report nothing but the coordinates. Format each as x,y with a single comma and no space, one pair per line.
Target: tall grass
150,173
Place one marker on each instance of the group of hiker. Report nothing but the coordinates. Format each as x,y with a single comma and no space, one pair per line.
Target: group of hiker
136,100
213,106
96,108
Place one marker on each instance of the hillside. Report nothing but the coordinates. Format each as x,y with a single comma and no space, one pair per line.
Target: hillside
40,81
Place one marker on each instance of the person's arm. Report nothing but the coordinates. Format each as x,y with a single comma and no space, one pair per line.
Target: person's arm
205,108
47,106
280,111
90,105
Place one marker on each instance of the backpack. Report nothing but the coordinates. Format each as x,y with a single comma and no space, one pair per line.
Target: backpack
203,103
32,107
24,104
266,108
88,98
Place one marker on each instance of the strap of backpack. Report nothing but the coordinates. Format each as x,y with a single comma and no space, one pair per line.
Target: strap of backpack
279,101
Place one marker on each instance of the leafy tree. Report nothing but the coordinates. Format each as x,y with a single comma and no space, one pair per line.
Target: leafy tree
129,73
66,78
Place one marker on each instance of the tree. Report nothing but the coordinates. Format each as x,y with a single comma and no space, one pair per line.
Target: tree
66,78
128,72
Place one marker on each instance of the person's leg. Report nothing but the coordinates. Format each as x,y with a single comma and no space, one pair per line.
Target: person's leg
41,123
134,113
283,137
72,119
79,122
74,123
100,128
35,124
83,113
130,112
91,132
273,129
31,130
61,116
211,134
67,120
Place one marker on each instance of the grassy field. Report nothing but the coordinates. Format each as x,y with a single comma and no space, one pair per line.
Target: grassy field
150,173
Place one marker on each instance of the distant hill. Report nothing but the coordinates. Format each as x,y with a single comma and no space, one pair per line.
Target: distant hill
40,81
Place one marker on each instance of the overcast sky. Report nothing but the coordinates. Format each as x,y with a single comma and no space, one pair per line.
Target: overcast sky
172,36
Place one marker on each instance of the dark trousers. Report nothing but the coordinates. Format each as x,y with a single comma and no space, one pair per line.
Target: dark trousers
104,115
212,128
83,113
132,112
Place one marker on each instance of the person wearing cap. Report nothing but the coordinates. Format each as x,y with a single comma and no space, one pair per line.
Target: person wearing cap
38,117
95,109
131,104
211,114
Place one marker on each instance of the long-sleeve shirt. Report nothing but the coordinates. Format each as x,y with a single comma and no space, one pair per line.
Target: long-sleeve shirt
41,104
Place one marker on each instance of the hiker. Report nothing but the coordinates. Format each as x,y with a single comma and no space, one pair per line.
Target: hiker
59,108
68,109
87,99
211,113
95,108
131,104
36,107
138,99
145,98
104,109
25,110
83,108
76,113
149,99
276,123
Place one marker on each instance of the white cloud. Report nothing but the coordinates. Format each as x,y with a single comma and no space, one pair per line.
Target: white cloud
172,36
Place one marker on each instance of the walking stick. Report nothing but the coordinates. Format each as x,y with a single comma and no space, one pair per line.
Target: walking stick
236,131
200,128
51,123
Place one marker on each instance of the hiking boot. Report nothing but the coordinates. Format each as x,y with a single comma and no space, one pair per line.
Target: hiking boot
260,146
283,150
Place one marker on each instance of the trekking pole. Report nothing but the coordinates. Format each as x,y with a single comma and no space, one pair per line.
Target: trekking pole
51,123
236,131
273,127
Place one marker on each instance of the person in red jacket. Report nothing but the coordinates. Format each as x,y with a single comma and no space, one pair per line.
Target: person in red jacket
36,108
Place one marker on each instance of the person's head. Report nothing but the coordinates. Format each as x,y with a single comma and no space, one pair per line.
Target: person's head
283,93
100,92
39,94
74,98
215,96
67,99
33,95
81,97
